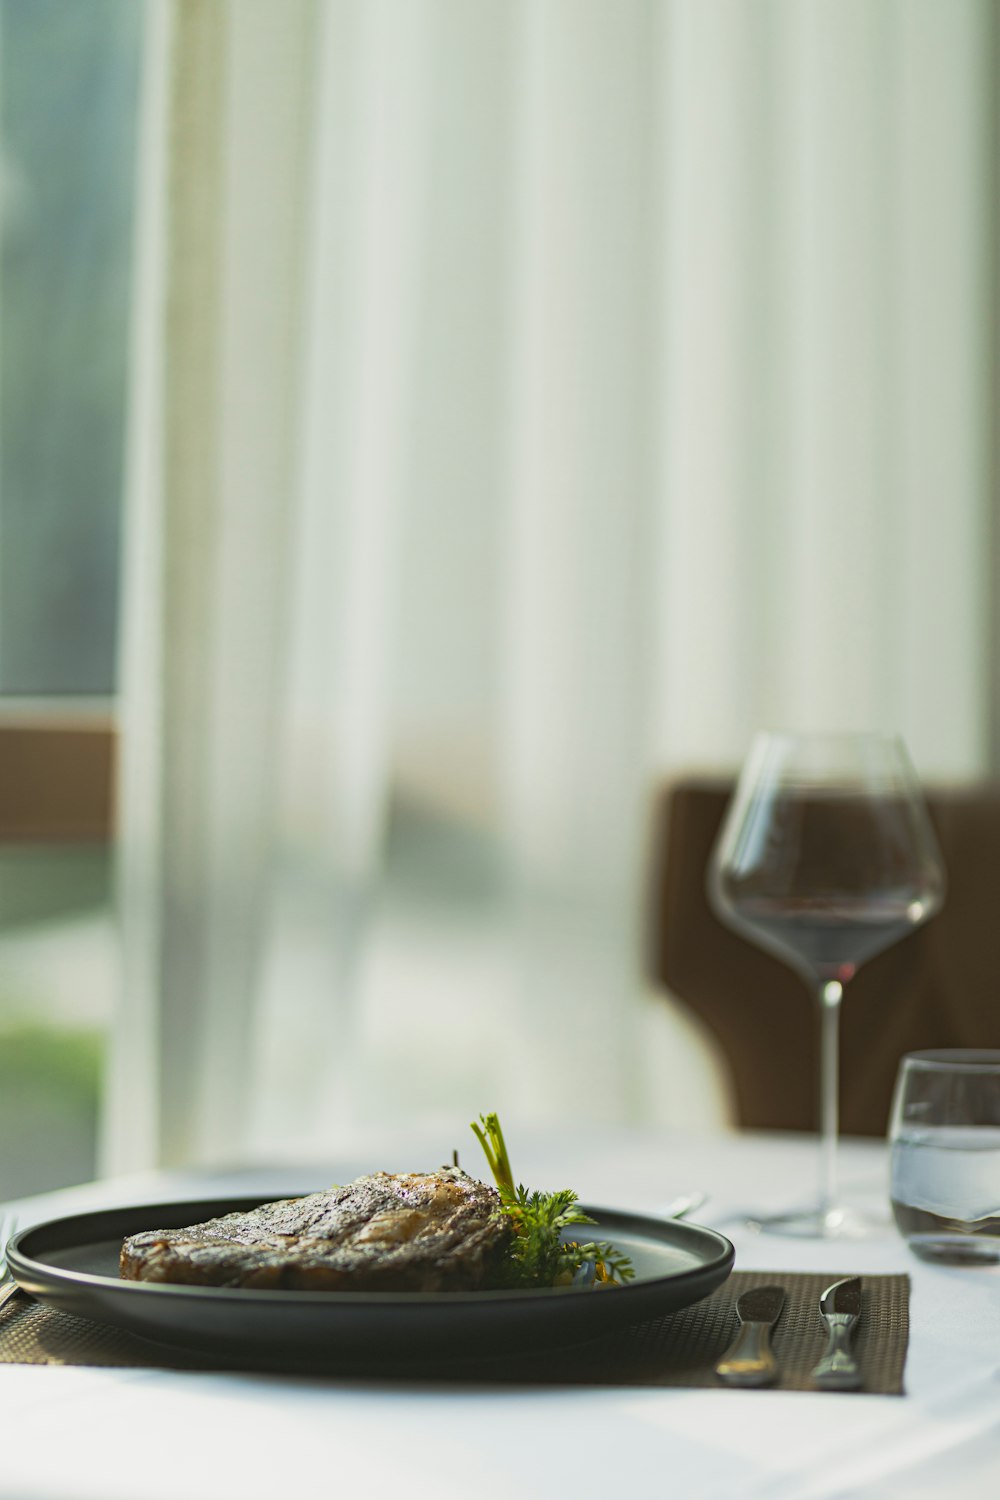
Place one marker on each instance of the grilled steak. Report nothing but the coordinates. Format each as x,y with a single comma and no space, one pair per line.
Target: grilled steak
414,1232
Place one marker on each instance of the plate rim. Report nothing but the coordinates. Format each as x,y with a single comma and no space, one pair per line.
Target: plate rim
26,1268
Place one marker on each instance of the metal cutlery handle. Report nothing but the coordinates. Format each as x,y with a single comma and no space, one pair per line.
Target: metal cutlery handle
838,1370
749,1361
8,1286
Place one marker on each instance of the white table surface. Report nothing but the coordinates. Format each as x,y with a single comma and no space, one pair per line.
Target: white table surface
87,1434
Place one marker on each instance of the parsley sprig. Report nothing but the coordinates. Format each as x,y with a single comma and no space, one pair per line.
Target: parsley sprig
539,1255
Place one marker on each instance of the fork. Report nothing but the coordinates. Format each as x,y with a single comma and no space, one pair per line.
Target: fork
679,1208
8,1286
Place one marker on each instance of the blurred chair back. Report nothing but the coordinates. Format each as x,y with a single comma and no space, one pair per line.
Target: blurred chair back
940,987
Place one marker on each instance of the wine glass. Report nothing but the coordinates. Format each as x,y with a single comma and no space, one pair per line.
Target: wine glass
826,857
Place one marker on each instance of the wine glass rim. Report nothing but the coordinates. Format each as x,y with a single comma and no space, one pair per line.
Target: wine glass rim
971,1059
876,760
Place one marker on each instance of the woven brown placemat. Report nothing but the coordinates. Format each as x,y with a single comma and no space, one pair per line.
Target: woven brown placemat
679,1350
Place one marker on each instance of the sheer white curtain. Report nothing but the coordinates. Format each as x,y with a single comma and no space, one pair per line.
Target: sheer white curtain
829,179
531,398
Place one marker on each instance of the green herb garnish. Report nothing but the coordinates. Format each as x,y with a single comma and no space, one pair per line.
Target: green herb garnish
539,1256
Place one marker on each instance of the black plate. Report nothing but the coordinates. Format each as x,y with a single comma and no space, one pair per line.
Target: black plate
72,1264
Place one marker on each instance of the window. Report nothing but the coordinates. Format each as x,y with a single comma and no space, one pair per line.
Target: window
69,92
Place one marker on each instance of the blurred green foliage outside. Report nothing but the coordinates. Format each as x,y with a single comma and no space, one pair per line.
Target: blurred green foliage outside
49,1093
57,974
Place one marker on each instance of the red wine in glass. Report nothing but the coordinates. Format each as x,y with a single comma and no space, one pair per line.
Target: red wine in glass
828,941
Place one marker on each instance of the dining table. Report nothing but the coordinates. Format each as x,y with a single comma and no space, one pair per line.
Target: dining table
81,1432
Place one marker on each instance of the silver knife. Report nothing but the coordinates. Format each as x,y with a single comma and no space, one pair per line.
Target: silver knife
840,1306
748,1360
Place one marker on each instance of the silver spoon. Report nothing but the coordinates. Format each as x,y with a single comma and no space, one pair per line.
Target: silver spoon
840,1306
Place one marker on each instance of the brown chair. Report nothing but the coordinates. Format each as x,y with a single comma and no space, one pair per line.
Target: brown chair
940,987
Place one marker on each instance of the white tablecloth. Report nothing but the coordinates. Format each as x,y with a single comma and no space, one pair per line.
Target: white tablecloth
103,1434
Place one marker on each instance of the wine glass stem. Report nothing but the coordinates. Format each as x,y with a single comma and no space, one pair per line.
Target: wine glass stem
830,996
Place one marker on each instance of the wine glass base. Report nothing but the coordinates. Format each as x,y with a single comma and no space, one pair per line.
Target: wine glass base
817,1223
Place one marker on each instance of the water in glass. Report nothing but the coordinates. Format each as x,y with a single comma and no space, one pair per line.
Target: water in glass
945,1156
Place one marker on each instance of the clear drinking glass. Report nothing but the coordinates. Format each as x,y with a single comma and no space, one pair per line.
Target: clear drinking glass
944,1154
826,857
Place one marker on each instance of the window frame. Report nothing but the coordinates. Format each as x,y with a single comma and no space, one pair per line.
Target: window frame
57,771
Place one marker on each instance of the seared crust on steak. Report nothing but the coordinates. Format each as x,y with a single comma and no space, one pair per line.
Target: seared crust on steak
412,1232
